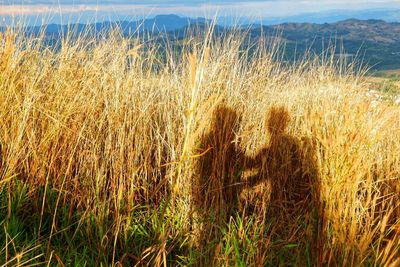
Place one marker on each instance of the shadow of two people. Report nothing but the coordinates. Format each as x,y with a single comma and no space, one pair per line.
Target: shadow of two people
286,162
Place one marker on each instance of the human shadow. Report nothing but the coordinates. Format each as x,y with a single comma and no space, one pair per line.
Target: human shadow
288,164
216,184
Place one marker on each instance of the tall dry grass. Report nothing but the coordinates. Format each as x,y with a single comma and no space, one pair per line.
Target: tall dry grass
143,155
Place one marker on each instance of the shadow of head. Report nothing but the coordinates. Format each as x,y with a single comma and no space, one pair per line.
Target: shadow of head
224,123
277,120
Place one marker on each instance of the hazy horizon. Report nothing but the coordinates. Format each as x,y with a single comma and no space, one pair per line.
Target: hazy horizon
92,11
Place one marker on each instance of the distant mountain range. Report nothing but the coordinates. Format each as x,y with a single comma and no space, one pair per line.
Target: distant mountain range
332,16
160,23
376,41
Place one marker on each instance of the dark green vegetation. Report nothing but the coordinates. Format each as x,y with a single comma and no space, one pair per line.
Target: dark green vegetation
77,238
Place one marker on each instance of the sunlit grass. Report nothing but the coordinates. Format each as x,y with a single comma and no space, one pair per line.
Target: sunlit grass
101,142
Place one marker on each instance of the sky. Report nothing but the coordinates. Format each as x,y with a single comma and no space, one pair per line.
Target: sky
88,9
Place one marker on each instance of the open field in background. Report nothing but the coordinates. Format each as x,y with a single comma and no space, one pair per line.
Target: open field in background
114,155
384,85
394,74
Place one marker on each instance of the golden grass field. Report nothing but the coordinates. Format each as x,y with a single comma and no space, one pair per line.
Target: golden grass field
114,152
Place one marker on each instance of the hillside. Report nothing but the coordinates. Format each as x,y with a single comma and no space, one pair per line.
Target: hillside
351,30
374,42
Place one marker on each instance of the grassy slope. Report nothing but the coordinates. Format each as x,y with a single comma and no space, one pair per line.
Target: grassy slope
108,154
